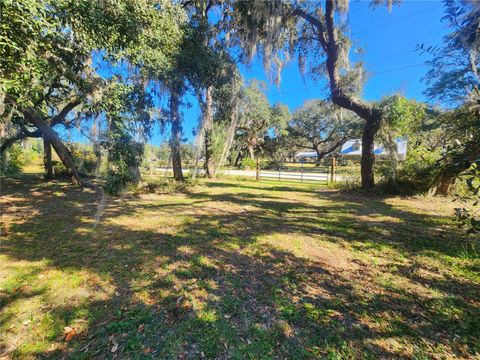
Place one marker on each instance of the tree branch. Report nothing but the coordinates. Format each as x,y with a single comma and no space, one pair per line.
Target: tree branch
10,141
315,22
361,108
57,119
209,5
22,134
53,138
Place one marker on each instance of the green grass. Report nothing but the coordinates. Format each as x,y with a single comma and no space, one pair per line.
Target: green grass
234,269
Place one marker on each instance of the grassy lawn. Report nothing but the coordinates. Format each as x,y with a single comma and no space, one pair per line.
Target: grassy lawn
234,269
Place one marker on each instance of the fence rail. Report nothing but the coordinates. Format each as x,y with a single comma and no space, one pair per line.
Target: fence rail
281,172
296,173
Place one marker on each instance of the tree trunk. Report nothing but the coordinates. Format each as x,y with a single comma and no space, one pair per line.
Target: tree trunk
230,135
368,157
251,152
3,154
60,148
331,44
97,150
238,159
47,159
208,126
444,185
134,172
320,156
199,140
176,135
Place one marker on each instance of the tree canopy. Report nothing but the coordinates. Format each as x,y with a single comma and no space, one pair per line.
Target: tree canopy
258,117
320,126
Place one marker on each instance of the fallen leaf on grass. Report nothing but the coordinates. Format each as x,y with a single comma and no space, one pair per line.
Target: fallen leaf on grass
69,332
147,351
114,347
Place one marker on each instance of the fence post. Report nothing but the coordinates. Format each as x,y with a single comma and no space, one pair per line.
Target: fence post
279,169
301,178
332,170
257,175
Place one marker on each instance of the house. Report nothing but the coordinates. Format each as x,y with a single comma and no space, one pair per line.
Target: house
353,149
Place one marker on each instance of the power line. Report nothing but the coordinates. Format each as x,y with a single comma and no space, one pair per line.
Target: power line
399,68
379,25
392,21
371,62
376,74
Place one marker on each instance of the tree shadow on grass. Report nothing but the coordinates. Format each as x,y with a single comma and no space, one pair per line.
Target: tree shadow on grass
210,289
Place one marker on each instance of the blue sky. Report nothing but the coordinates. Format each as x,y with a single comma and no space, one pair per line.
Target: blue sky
388,41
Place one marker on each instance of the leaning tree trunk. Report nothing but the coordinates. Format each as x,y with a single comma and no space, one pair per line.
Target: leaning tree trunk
332,44
230,136
47,159
97,150
176,136
60,148
208,126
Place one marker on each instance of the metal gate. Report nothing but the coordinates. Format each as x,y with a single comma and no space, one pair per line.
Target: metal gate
296,172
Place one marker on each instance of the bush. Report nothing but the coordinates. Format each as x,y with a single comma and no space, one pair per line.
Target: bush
117,182
467,194
13,161
350,182
167,185
415,175
388,176
345,162
248,164
272,165
84,158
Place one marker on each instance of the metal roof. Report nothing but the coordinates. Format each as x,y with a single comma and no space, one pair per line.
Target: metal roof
354,148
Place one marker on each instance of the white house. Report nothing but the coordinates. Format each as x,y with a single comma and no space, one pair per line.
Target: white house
353,148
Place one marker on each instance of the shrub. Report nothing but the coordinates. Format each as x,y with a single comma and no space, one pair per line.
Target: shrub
167,185
117,182
248,164
272,165
84,158
415,175
467,194
13,161
350,182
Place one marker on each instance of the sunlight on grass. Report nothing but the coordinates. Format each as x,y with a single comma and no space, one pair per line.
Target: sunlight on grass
237,269
38,301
